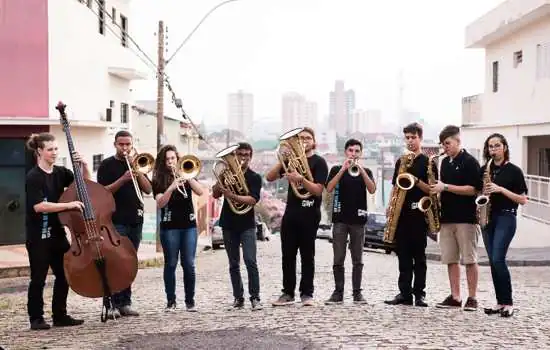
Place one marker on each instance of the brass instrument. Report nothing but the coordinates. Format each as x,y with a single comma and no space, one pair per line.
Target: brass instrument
404,182
430,205
483,201
142,163
188,167
353,170
292,156
229,174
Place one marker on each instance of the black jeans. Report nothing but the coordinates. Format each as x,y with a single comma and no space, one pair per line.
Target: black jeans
133,232
232,241
340,233
43,254
497,237
299,233
411,237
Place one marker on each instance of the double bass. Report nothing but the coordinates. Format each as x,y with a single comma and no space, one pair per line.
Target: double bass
100,261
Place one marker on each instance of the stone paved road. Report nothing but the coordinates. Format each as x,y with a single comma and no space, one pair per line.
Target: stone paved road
321,327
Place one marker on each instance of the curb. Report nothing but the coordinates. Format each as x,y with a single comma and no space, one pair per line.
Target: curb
510,263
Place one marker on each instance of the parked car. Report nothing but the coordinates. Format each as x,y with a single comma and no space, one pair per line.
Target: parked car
374,232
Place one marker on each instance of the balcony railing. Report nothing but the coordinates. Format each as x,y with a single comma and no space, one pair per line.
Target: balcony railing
538,205
471,110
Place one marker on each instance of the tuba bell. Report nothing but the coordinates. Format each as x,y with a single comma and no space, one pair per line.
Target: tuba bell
229,174
292,156
141,163
188,167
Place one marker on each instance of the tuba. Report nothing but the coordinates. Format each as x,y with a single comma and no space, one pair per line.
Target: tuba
188,167
142,163
483,202
229,174
431,205
404,182
292,156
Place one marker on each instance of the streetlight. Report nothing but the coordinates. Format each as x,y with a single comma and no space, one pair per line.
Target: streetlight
197,27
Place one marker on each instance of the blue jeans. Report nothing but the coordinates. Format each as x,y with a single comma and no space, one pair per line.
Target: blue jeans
133,232
180,243
497,237
232,241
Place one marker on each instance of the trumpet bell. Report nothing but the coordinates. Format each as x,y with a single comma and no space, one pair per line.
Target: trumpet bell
482,200
354,170
189,167
405,181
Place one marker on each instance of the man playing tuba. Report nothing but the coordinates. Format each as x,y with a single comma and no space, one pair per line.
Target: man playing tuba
306,173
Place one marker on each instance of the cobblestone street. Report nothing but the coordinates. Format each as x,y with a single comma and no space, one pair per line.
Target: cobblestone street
320,327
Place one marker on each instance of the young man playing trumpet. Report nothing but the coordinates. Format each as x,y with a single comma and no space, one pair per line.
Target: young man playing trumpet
301,221
240,229
350,183
113,173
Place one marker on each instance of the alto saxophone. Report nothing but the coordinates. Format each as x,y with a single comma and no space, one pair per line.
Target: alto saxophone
431,205
404,183
482,201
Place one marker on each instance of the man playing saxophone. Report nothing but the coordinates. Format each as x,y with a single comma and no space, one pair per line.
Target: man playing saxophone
240,229
301,221
411,231
458,234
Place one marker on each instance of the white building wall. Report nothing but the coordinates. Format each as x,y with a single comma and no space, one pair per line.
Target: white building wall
80,57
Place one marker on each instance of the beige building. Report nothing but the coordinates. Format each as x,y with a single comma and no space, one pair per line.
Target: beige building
298,112
516,39
240,112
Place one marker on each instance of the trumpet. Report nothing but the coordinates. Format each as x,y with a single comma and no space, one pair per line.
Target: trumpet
142,163
188,167
353,170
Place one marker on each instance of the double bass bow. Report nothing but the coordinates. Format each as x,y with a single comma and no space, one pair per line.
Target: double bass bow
100,261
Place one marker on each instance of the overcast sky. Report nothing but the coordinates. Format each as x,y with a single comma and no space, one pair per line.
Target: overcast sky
268,47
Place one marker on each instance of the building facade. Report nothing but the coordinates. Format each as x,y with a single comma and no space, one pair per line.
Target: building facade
515,103
60,50
341,107
240,112
298,112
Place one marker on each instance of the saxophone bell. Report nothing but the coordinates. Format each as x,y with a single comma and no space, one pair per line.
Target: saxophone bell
482,200
405,181
424,204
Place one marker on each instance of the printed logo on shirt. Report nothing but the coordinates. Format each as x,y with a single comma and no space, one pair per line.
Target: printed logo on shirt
337,205
167,217
307,203
361,212
46,229
192,217
140,212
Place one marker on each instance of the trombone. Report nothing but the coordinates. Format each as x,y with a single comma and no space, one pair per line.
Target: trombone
142,163
188,167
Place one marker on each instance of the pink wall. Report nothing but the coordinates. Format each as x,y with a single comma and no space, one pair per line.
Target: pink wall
24,58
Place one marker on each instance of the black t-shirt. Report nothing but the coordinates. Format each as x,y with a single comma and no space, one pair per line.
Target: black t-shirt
235,222
349,203
509,176
129,209
44,187
463,170
304,208
179,212
419,169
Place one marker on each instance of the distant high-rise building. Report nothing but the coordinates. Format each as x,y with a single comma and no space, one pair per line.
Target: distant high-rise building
342,104
369,121
240,112
298,112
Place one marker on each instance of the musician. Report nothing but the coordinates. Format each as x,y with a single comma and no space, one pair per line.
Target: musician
507,190
178,226
412,229
240,229
458,236
113,173
300,223
349,217
46,241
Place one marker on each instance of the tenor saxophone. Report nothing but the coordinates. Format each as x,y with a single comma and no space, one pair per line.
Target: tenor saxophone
398,196
431,205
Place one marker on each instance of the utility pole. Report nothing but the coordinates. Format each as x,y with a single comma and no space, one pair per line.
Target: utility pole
160,110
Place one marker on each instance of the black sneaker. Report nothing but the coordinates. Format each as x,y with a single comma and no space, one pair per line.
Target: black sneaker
449,302
358,298
238,303
190,307
283,300
471,304
335,298
127,311
171,305
420,301
256,304
66,321
399,300
39,324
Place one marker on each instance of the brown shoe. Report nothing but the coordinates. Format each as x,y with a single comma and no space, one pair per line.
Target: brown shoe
448,303
471,304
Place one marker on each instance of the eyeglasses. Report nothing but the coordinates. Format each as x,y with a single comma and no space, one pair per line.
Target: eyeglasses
244,155
495,146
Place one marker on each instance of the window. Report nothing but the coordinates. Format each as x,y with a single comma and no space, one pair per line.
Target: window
544,162
543,61
96,160
124,110
518,58
113,15
495,76
124,31
101,17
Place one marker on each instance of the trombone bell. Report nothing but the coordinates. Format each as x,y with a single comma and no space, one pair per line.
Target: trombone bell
189,167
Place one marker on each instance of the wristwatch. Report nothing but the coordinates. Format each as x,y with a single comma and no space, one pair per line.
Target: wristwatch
445,187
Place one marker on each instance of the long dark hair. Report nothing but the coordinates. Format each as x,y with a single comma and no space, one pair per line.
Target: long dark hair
487,155
162,175
37,141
